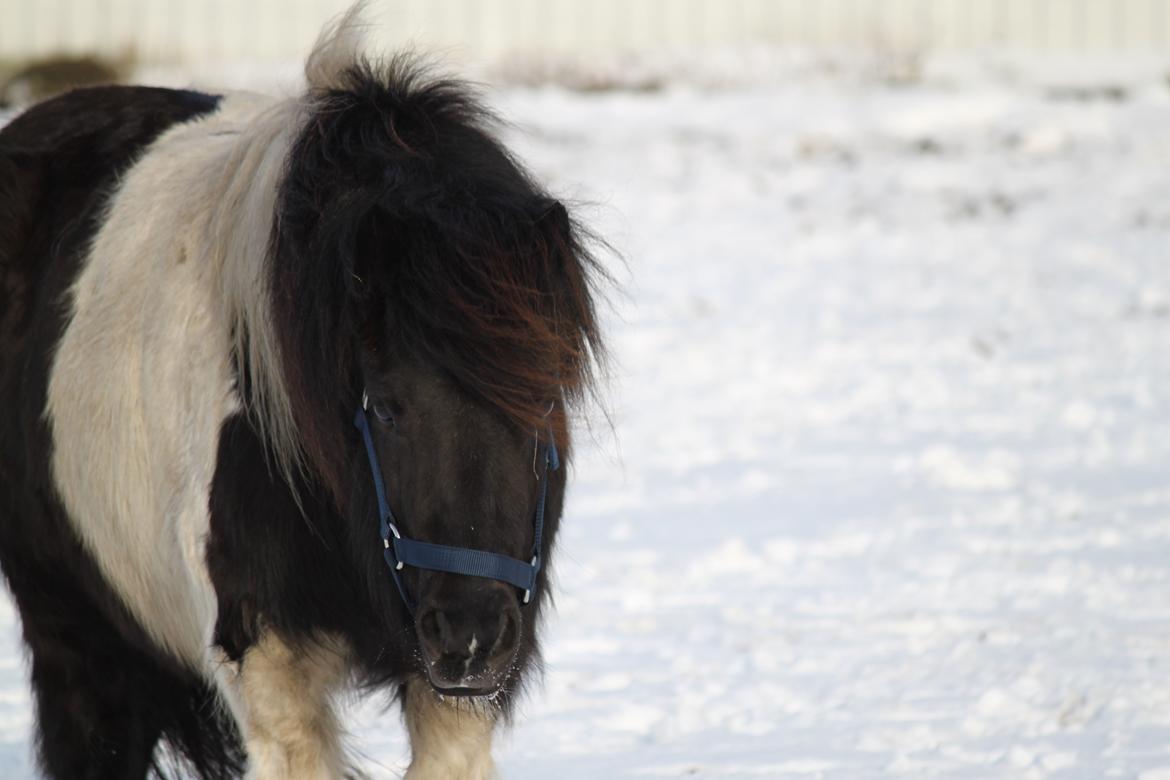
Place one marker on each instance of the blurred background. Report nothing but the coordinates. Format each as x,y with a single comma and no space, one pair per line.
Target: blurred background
887,487
160,31
124,36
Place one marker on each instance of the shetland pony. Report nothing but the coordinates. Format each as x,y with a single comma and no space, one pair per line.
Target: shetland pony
197,293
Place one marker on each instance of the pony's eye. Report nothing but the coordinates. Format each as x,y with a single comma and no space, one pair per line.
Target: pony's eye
382,412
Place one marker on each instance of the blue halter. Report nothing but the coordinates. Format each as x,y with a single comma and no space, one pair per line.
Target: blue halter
399,551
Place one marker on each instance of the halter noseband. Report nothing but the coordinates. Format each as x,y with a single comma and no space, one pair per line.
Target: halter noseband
399,551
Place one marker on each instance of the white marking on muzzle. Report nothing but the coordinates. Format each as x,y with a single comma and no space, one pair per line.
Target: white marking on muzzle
474,643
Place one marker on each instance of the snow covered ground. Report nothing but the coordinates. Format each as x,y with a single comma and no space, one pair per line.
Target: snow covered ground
888,493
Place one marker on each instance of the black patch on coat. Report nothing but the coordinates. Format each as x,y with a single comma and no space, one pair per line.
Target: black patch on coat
295,570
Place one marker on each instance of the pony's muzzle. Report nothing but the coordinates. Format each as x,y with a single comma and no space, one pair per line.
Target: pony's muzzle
469,636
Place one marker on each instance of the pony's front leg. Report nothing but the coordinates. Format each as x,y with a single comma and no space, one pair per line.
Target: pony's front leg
285,693
450,739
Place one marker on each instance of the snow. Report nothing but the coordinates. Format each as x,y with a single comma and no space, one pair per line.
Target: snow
887,492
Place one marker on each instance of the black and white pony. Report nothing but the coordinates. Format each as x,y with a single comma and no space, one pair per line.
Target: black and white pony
199,298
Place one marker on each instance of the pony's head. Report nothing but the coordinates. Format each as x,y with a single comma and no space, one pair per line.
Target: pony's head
414,261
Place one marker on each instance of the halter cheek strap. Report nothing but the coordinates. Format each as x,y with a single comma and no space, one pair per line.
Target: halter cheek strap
398,551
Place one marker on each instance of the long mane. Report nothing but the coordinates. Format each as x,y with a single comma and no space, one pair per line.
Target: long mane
398,211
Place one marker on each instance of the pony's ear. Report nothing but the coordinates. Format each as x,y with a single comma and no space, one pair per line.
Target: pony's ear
554,231
551,213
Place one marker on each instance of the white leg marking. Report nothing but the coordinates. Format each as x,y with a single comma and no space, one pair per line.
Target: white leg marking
449,740
285,697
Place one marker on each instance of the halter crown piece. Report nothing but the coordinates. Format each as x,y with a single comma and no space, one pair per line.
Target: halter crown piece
398,551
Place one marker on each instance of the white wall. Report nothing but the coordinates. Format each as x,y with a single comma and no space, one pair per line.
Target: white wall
271,30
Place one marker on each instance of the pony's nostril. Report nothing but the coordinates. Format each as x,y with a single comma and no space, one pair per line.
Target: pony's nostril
508,634
434,631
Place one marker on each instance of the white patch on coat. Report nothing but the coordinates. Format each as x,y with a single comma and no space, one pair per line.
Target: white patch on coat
142,381
447,738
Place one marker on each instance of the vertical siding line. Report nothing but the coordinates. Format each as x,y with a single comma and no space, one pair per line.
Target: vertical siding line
1080,35
1116,19
1044,19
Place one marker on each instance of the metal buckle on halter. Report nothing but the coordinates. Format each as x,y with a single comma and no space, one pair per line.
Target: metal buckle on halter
365,401
386,543
528,591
